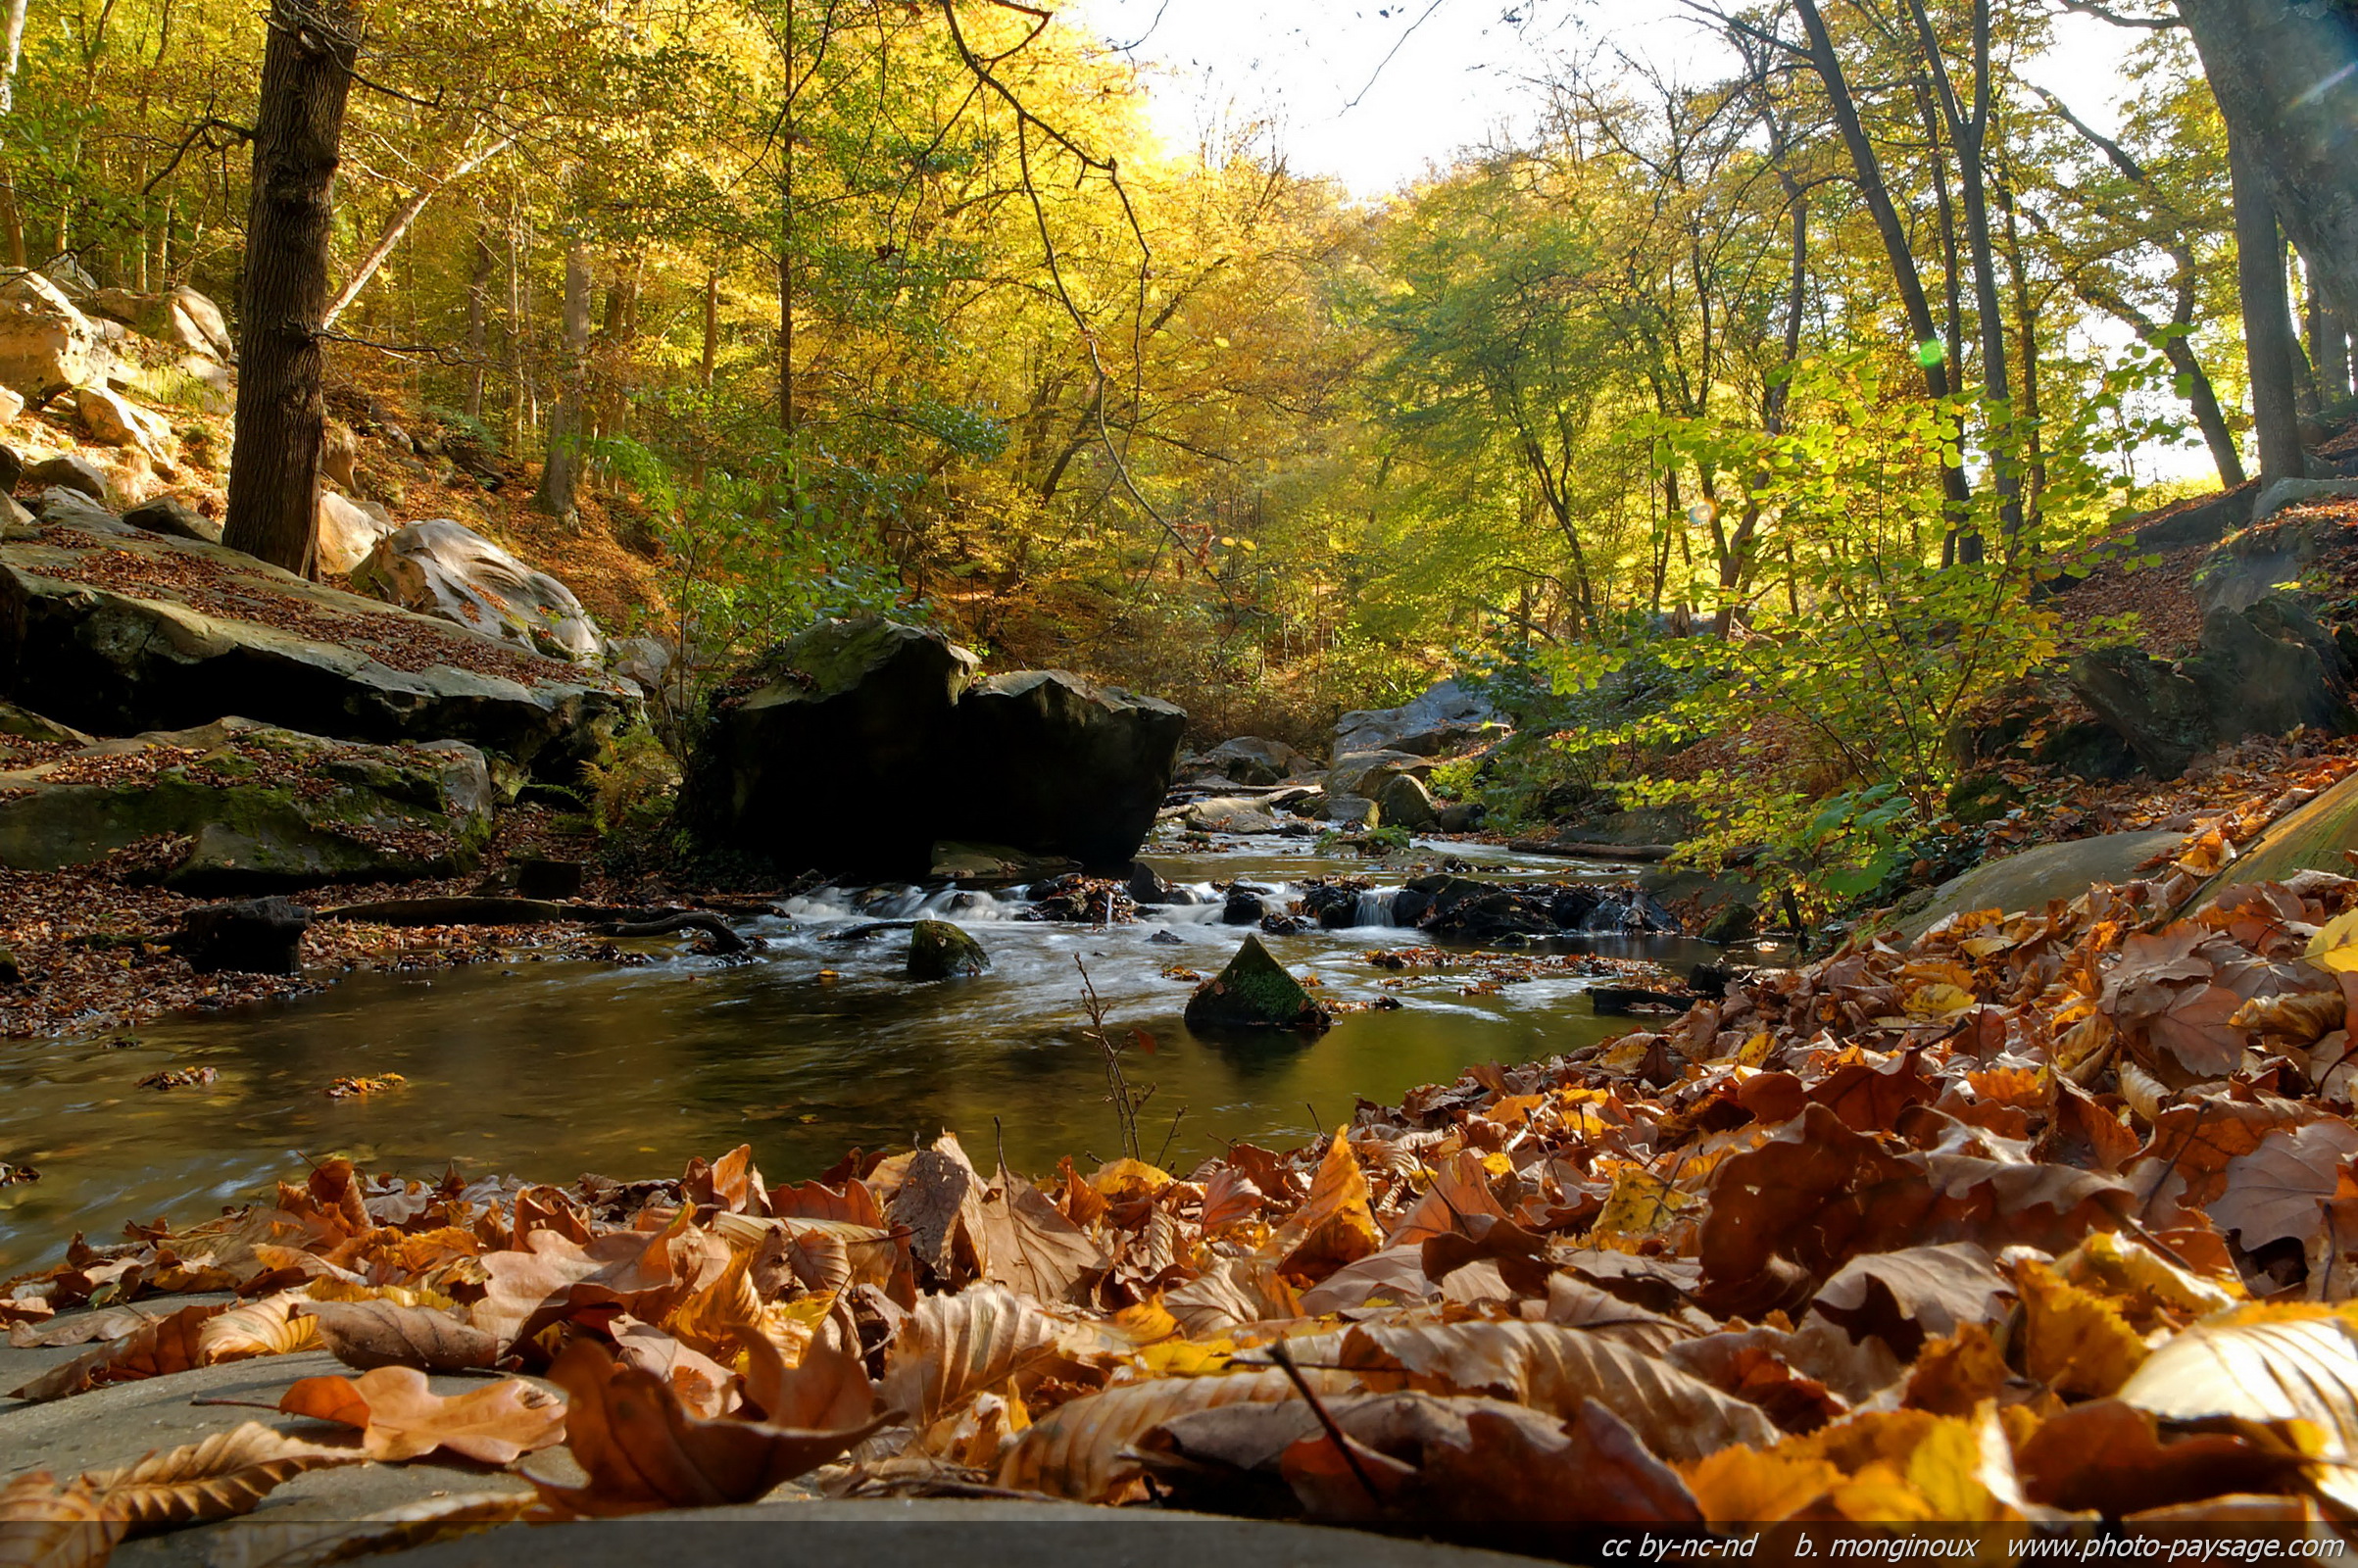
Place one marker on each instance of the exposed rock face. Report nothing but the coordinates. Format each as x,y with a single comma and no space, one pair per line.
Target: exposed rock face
256,806
115,422
2261,670
941,951
1404,803
862,742
347,534
175,518
1363,772
179,317
46,344
832,758
1250,759
2028,882
12,404
1443,719
1253,992
444,569
71,471
1059,766
119,631
255,936
1229,814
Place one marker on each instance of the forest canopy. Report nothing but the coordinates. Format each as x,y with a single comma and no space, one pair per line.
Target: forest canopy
1763,379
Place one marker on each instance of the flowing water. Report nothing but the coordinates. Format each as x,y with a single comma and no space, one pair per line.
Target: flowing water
552,1068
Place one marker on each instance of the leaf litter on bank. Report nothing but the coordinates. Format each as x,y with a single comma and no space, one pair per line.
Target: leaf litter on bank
2043,1211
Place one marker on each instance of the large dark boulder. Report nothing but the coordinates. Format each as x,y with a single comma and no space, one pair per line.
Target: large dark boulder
2264,669
1057,764
118,632
255,936
830,752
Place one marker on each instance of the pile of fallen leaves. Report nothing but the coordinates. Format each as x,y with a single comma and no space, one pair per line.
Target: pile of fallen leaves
2039,1220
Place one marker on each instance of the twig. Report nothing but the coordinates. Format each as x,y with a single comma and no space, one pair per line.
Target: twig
1285,1360
1167,1137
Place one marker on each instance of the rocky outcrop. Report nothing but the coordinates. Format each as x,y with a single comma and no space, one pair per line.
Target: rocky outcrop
69,470
347,533
115,422
1248,759
175,518
858,745
1253,992
178,318
234,805
2261,670
828,752
1401,801
1444,719
119,631
1057,764
254,936
444,569
941,951
1465,910
46,345
1364,773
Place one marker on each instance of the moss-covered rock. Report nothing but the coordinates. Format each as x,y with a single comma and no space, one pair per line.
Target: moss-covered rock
1254,992
940,951
246,805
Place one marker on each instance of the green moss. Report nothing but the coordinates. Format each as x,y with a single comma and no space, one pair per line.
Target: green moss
940,951
1254,992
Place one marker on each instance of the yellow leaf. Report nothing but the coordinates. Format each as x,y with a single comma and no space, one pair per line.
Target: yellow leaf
2336,945
2074,1341
260,1328
1335,1224
2291,1367
1940,1000
1740,1485
1643,1204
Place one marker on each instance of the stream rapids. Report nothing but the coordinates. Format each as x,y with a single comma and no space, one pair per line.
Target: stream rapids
818,1044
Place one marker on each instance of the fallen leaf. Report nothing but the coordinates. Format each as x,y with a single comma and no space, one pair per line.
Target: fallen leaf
401,1417
44,1523
267,1327
373,1334
224,1475
643,1452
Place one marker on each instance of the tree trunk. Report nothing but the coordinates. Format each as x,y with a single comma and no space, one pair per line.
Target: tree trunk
2266,316
1968,130
560,479
478,323
1869,169
282,297
398,224
12,55
2287,80
711,329
2328,346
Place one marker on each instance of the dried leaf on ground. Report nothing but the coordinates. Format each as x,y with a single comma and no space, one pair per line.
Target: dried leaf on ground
171,1344
267,1327
401,1417
643,1452
373,1334
48,1523
1081,1448
955,1347
219,1478
2268,1365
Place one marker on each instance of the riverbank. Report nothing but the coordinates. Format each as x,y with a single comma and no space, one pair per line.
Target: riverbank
1951,1230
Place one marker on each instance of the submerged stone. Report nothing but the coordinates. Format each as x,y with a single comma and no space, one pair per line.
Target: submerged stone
252,936
1254,992
940,951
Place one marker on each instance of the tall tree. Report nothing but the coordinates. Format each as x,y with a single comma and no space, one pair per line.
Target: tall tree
2268,344
282,297
561,476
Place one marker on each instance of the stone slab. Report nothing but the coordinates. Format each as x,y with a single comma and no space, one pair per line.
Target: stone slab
2036,877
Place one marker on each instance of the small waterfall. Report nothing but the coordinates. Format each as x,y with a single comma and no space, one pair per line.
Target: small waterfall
1375,906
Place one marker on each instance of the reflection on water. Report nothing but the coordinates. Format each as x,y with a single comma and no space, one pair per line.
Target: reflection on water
550,1069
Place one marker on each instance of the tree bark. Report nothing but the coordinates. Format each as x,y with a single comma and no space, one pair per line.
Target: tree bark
1869,169
561,477
282,296
478,323
2328,346
2287,80
2267,315
712,331
12,55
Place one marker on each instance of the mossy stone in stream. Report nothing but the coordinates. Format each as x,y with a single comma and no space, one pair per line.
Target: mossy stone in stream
940,951
1254,992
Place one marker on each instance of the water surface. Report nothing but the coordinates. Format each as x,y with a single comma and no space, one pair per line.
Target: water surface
552,1068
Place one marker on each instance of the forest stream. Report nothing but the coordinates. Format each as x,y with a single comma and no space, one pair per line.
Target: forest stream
817,1045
